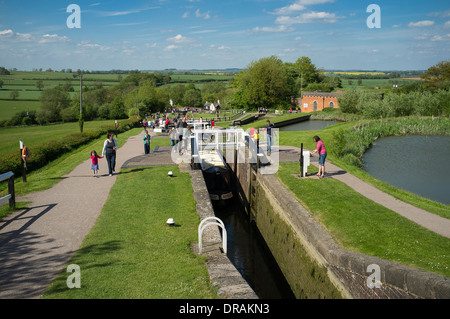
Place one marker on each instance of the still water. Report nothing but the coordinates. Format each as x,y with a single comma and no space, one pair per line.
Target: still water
250,255
308,126
419,164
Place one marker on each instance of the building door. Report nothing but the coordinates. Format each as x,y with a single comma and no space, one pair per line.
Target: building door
315,106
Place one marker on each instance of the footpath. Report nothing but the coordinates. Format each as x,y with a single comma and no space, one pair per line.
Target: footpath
36,243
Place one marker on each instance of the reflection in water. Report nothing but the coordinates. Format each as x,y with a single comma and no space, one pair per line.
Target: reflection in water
250,255
308,126
418,164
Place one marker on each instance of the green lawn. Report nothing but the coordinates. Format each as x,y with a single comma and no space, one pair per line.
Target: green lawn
132,253
361,225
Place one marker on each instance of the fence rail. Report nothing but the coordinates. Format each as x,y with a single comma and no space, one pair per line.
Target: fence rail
11,196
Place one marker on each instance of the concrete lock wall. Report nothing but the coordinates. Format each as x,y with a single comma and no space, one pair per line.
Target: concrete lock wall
312,263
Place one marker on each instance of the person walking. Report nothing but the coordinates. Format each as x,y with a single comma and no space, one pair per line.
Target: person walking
146,139
94,158
321,150
109,150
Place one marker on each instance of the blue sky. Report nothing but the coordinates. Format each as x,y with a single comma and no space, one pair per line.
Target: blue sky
206,34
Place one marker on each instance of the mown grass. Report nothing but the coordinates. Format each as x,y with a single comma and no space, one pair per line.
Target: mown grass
361,225
132,253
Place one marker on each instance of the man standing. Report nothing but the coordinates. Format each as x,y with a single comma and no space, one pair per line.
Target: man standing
269,137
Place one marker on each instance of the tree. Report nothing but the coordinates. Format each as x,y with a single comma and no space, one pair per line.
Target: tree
438,76
14,95
193,98
305,72
4,71
40,85
1,83
52,102
265,83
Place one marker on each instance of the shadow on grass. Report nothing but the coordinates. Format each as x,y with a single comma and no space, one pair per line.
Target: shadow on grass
86,258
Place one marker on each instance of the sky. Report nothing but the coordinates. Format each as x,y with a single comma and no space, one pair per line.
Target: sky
207,34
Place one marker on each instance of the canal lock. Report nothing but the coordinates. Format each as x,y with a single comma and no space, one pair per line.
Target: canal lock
246,248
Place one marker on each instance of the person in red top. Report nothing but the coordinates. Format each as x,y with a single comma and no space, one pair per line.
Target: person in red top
94,158
322,155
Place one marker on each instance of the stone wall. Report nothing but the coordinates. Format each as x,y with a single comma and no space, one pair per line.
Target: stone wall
314,265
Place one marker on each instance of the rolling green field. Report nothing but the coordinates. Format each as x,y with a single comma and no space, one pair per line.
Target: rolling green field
35,135
24,82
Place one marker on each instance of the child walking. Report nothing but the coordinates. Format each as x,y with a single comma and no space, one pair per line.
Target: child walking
94,158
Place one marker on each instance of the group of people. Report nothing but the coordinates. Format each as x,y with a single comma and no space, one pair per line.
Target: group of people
180,135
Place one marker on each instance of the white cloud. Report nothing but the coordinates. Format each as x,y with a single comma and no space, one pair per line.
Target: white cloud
11,35
309,17
205,15
179,39
424,23
127,12
281,28
48,38
293,8
445,37
447,24
27,37
299,5
171,47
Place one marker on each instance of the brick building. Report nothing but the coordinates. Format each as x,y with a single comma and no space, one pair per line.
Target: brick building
317,101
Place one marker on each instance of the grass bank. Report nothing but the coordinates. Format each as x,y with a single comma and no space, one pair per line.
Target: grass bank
361,225
347,142
132,253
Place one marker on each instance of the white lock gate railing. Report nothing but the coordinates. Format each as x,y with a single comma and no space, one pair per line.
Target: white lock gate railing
205,224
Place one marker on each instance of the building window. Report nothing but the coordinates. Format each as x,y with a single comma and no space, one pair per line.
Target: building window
315,106
331,104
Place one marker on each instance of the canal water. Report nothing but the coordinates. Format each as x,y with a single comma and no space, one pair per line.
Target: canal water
250,255
310,125
418,164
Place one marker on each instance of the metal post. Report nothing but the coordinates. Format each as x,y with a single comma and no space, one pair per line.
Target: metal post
301,160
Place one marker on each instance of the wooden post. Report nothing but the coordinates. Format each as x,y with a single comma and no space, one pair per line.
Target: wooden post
12,200
301,160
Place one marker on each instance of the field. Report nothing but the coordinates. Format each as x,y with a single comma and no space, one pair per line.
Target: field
24,83
35,135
